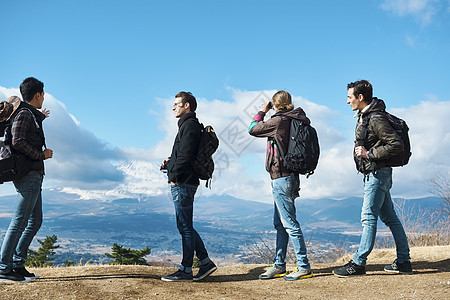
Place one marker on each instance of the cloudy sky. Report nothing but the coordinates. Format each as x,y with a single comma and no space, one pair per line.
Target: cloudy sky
112,68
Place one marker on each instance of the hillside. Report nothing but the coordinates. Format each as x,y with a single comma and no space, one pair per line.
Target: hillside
431,280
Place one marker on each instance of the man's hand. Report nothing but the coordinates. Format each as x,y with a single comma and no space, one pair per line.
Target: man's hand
163,165
48,153
361,152
46,112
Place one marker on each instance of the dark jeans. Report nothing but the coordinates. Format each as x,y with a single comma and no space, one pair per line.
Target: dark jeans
25,223
183,199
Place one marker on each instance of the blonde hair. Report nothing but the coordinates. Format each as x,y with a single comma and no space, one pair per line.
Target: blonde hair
282,101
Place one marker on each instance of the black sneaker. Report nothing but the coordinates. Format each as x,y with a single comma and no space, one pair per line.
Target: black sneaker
178,276
350,269
13,277
205,271
24,272
400,268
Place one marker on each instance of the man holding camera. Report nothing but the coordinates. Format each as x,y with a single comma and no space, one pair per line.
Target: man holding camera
184,183
285,184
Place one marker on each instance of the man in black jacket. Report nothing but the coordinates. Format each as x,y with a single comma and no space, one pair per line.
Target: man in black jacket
28,139
184,183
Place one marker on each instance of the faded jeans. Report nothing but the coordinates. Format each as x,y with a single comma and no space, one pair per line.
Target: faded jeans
378,202
183,199
284,192
25,223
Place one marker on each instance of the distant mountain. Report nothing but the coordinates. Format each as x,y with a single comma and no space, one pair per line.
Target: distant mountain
67,212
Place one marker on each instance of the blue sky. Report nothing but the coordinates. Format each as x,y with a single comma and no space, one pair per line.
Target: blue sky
111,69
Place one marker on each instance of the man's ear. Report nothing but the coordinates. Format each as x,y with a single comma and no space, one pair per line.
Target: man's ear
360,97
188,105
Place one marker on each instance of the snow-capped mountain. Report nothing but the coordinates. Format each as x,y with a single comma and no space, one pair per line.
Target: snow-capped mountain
142,179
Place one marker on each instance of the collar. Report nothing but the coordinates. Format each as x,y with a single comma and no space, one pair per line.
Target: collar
360,113
186,116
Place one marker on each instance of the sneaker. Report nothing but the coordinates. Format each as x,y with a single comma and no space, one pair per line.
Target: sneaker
350,269
299,274
205,271
400,268
178,276
24,272
273,272
13,277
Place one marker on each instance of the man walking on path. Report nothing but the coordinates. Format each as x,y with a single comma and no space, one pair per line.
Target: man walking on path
184,183
28,139
371,158
285,184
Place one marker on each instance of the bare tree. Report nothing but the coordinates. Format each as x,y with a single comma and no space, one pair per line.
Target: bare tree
440,187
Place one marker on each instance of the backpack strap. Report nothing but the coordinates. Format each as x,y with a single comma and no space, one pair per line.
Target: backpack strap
279,150
363,135
38,128
365,127
364,131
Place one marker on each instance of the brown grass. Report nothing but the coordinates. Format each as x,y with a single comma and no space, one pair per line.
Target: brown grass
431,280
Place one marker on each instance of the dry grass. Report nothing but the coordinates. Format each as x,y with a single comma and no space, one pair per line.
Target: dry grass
431,280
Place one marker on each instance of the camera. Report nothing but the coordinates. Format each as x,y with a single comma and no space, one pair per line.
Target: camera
163,168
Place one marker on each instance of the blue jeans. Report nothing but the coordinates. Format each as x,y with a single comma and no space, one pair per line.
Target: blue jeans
25,223
183,199
378,202
286,224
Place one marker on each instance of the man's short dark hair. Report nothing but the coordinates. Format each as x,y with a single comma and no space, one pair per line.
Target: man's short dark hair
362,87
188,97
29,87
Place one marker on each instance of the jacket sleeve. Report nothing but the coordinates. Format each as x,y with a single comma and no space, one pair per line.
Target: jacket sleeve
23,123
189,137
259,128
390,142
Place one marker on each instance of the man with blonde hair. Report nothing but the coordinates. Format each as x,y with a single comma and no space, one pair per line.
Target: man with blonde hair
285,184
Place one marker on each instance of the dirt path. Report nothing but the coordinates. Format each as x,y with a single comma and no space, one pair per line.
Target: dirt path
431,280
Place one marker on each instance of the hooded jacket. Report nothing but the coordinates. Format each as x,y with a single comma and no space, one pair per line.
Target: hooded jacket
277,130
184,148
381,141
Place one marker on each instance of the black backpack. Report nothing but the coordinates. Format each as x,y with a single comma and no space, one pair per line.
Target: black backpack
203,164
401,128
303,150
13,164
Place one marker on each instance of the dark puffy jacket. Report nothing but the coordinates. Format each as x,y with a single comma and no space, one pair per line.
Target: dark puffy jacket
277,130
382,141
185,147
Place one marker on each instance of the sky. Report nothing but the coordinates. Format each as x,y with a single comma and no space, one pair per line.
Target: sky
111,70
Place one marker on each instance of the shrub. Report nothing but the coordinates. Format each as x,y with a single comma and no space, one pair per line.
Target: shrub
41,258
127,256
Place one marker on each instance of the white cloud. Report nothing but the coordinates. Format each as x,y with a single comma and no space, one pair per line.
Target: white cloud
422,10
430,137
